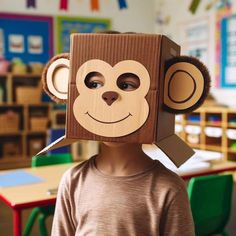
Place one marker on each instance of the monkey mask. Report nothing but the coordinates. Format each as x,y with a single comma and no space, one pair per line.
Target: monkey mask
126,88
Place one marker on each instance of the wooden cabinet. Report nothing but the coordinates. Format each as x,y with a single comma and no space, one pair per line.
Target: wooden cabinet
210,128
24,119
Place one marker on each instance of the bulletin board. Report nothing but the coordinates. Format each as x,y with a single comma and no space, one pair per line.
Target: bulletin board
228,52
68,25
195,39
27,37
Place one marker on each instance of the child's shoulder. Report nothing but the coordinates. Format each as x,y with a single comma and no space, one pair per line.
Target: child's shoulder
168,179
77,171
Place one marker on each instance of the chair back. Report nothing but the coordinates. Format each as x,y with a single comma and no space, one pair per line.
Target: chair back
210,200
53,159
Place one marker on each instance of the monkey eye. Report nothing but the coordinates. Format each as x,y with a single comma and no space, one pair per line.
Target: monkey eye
128,82
94,80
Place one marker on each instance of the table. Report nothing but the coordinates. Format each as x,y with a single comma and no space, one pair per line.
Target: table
33,195
215,168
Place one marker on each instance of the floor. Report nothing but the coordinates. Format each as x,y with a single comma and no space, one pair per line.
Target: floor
6,220
6,228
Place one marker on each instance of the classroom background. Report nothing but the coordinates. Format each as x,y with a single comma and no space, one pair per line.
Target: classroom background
32,31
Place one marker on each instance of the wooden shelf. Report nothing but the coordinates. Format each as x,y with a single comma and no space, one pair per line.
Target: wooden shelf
206,114
25,138
232,150
194,145
231,126
216,148
13,133
213,124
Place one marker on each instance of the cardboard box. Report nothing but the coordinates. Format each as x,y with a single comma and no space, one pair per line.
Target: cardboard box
35,145
9,122
28,95
38,123
147,114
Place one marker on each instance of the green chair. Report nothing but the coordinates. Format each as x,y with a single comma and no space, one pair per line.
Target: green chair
43,212
210,200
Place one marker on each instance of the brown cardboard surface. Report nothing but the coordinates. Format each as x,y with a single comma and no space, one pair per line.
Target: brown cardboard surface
58,78
165,121
184,84
176,149
114,49
111,55
130,109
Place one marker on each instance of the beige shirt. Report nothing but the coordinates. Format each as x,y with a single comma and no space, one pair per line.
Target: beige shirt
153,202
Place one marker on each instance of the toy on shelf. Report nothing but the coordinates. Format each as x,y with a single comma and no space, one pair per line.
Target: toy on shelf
232,122
219,130
194,118
193,134
17,66
214,119
4,65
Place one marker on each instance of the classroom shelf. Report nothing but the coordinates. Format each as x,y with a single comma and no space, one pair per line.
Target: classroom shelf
23,118
218,130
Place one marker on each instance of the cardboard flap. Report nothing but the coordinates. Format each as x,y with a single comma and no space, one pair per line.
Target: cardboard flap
62,141
176,149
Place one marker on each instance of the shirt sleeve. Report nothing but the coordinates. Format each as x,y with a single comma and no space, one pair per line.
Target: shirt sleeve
62,220
177,219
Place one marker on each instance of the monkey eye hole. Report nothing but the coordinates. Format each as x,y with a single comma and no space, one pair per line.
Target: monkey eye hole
128,82
94,80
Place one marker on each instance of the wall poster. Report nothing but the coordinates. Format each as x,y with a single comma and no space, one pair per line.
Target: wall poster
68,25
228,52
27,37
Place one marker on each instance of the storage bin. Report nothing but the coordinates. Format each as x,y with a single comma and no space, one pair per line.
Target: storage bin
11,149
35,145
9,122
28,95
38,123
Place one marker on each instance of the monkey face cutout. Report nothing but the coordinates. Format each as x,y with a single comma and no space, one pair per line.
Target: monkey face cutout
111,100
126,88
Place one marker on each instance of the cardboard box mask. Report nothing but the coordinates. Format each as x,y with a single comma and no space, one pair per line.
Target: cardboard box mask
126,88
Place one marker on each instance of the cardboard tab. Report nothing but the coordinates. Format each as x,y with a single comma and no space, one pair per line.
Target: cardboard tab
62,141
176,149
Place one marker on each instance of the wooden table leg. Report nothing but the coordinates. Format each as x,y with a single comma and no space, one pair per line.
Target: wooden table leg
17,222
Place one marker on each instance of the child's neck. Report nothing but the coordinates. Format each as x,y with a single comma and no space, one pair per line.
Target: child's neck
118,159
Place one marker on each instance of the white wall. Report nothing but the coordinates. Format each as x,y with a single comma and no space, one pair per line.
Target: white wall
178,14
139,16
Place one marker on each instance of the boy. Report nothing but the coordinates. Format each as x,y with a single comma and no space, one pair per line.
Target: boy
120,192
124,90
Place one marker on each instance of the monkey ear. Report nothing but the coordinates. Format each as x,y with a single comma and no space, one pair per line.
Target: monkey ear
187,83
55,78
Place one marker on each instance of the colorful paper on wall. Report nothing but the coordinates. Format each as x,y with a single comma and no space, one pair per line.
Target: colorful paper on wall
220,14
122,4
195,39
64,5
31,3
68,25
27,37
94,5
228,48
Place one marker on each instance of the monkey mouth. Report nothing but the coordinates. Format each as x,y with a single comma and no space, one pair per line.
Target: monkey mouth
108,122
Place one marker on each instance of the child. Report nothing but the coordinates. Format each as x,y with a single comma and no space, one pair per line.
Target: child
124,90
120,192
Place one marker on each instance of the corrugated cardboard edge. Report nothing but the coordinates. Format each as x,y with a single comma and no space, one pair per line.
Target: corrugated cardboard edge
176,149
60,142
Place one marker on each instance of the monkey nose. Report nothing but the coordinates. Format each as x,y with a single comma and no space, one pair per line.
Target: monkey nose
109,97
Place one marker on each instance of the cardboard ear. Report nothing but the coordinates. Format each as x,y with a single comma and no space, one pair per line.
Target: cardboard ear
55,78
187,83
